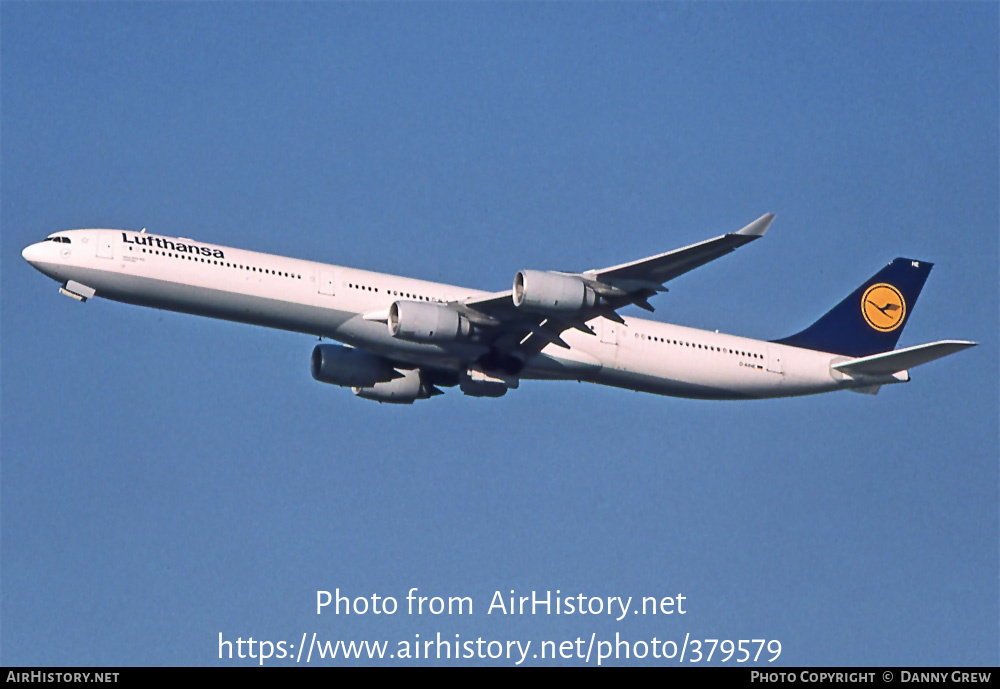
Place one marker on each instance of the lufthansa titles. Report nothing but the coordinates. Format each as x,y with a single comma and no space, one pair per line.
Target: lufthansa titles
163,243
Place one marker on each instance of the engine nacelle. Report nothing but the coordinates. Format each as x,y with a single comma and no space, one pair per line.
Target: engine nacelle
340,365
535,290
404,390
424,322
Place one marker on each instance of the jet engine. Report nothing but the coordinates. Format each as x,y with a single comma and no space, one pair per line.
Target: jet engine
424,322
340,365
535,290
404,390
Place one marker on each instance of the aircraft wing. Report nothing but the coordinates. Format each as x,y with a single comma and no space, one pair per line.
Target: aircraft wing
508,328
617,286
663,267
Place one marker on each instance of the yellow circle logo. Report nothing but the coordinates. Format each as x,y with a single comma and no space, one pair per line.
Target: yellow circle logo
883,307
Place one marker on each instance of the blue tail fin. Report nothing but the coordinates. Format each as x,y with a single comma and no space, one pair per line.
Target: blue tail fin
872,318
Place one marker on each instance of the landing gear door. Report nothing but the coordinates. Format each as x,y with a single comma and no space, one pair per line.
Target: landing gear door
106,245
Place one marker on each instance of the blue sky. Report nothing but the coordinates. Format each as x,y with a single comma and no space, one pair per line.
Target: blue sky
166,478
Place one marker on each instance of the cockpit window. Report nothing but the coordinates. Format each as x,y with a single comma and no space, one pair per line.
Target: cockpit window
57,240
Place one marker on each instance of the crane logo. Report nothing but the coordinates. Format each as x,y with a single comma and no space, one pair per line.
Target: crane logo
883,307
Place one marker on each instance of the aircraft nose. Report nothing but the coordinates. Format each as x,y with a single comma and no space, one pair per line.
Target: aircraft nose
32,253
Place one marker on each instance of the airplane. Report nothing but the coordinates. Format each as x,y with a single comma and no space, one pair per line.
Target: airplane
404,339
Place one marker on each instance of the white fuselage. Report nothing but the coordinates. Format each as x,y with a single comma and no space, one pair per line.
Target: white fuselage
330,301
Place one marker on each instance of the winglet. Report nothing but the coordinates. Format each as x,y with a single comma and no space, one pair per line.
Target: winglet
758,227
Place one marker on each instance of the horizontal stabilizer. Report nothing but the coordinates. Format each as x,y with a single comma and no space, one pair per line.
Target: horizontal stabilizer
887,363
